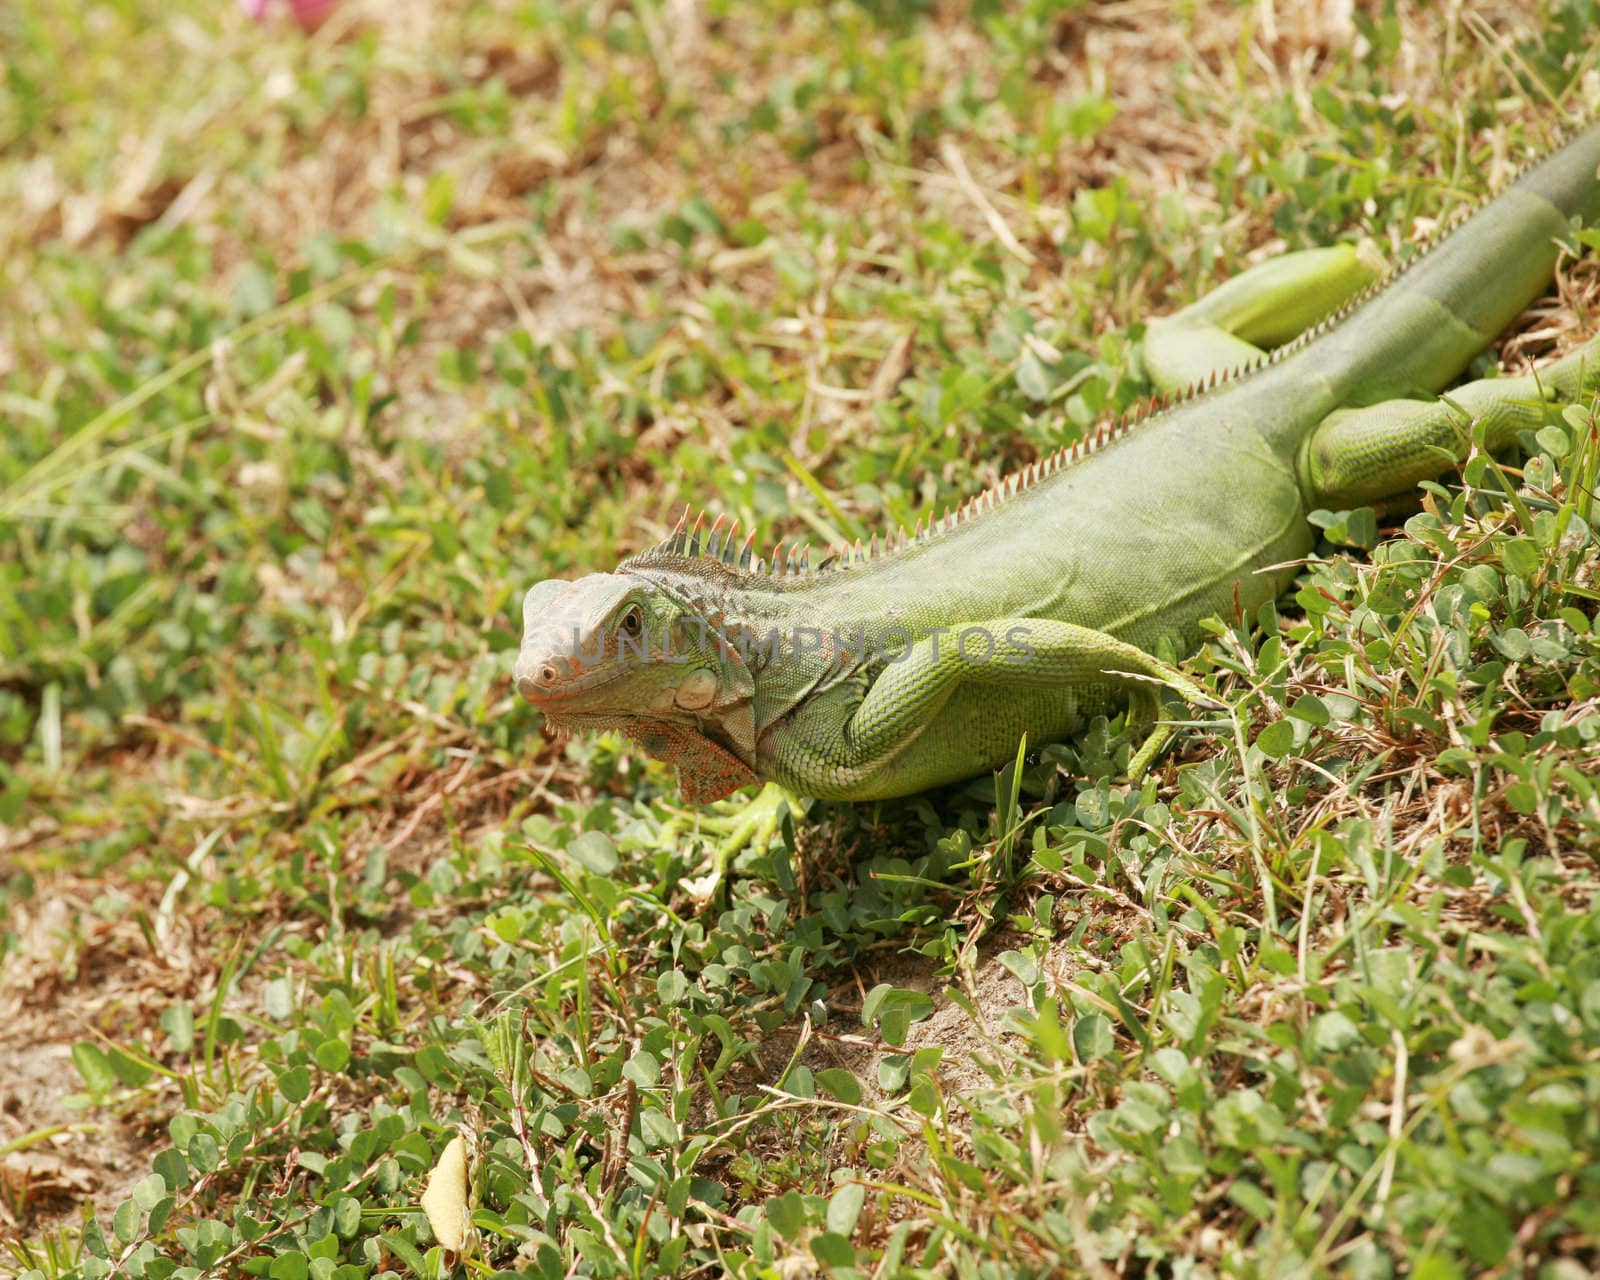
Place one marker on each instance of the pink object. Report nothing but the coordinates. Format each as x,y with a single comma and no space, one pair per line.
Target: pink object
310,14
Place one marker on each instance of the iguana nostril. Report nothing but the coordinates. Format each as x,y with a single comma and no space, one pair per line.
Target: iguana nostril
532,684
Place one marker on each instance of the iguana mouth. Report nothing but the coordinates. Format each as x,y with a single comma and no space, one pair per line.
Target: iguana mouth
559,677
541,694
582,723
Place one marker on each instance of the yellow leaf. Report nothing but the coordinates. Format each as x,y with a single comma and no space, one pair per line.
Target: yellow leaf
444,1199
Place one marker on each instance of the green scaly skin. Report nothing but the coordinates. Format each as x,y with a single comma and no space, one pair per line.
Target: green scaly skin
1068,580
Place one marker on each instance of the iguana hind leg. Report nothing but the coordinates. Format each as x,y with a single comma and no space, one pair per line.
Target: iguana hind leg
1266,306
1361,456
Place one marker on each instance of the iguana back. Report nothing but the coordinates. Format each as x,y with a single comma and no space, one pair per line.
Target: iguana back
1161,521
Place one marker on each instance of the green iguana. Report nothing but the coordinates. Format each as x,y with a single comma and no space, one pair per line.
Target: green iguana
923,659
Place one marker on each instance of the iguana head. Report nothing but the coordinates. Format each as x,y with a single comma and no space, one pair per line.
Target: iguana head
617,651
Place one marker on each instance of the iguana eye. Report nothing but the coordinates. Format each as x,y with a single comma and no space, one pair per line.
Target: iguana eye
632,621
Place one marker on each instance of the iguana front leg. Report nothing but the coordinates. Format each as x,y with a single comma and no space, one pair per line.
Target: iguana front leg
1266,306
958,702
738,824
1365,456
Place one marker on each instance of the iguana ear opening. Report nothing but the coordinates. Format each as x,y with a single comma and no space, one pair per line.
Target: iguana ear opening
706,771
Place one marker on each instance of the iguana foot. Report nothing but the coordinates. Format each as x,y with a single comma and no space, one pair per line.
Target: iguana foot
748,824
1146,705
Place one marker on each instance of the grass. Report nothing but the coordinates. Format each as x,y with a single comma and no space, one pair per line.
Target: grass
319,350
